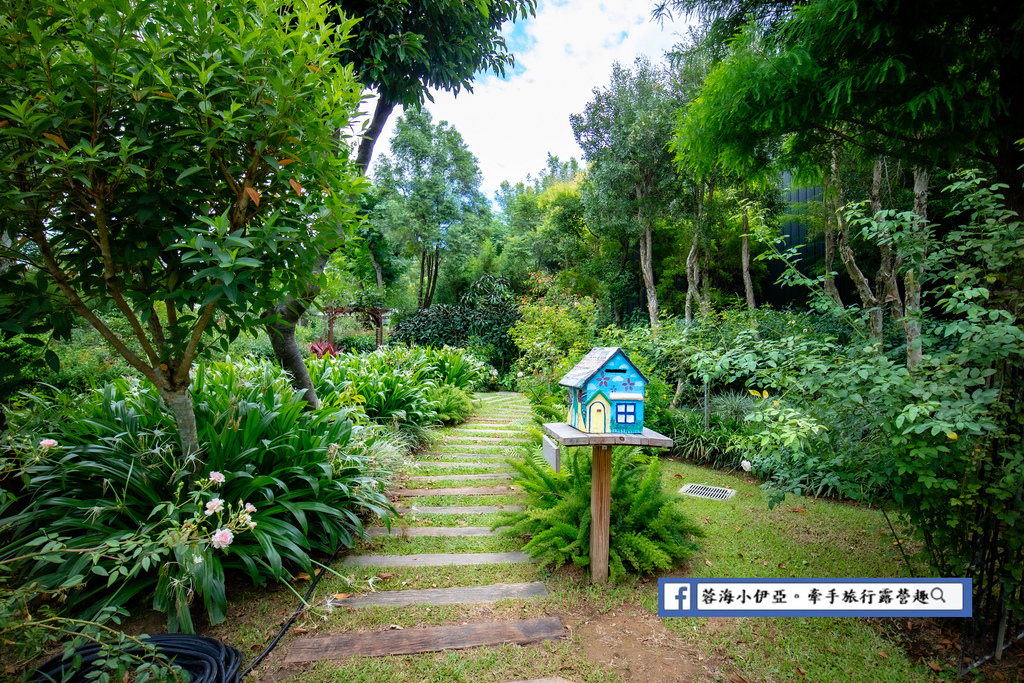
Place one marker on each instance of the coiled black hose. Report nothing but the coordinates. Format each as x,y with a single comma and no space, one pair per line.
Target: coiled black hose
206,660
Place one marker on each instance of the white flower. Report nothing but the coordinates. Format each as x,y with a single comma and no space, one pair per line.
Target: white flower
214,506
197,559
519,374
47,444
216,477
745,465
250,508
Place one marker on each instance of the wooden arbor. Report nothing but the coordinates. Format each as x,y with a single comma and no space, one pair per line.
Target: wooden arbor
601,481
376,315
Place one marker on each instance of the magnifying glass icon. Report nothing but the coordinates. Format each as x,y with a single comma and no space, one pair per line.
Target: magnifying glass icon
940,597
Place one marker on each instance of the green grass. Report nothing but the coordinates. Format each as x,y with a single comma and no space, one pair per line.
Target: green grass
486,665
801,537
419,545
422,519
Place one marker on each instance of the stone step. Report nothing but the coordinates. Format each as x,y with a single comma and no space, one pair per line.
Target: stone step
435,559
438,463
444,596
485,441
431,531
464,455
415,640
471,432
464,491
463,477
459,509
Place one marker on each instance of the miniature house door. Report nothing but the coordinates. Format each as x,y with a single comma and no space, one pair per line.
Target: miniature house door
598,418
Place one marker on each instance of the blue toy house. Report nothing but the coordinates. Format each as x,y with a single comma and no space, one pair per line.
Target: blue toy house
606,393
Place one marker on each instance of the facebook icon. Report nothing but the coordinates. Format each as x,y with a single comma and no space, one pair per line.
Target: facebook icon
675,596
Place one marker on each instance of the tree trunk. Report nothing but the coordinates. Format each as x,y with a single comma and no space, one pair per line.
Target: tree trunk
912,279
423,269
692,275
433,265
860,281
887,290
380,116
829,283
286,350
376,266
647,269
282,331
748,285
179,400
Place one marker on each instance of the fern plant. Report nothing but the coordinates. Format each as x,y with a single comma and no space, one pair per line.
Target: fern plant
649,530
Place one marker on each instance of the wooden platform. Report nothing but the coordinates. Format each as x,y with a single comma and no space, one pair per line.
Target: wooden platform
415,640
445,596
568,435
435,559
438,463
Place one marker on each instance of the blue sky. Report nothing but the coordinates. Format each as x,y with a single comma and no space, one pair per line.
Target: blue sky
562,54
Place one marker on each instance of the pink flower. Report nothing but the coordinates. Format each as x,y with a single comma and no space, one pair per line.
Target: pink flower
216,477
250,508
214,506
222,538
47,444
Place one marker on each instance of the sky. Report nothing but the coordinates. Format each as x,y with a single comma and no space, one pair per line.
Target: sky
561,54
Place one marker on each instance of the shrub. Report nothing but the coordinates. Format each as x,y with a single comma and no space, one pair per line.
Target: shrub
284,481
649,530
451,403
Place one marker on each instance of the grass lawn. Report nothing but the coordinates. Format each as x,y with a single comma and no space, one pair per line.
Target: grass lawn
613,633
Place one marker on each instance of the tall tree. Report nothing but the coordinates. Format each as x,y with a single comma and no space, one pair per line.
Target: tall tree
431,185
170,160
402,49
624,132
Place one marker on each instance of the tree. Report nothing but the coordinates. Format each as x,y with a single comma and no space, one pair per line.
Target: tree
431,185
624,132
172,161
401,50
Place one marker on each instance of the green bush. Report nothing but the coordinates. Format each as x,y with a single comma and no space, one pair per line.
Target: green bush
285,482
649,530
451,403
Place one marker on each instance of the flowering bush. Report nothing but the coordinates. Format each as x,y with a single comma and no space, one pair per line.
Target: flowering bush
273,484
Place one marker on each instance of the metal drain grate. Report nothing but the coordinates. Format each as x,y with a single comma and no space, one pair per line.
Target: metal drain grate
702,491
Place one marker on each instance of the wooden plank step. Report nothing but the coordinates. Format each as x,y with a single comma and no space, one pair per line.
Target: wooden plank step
431,531
489,456
460,509
445,596
415,640
429,463
463,477
464,491
471,432
486,441
435,559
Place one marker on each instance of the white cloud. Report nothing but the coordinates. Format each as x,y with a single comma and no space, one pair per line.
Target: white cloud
562,54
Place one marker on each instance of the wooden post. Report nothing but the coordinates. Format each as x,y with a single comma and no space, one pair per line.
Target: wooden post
600,512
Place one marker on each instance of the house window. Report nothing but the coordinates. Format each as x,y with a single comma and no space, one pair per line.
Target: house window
625,413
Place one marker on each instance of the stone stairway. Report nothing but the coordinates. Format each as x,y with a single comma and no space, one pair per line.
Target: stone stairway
440,502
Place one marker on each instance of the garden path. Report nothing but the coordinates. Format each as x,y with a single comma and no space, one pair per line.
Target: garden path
438,501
